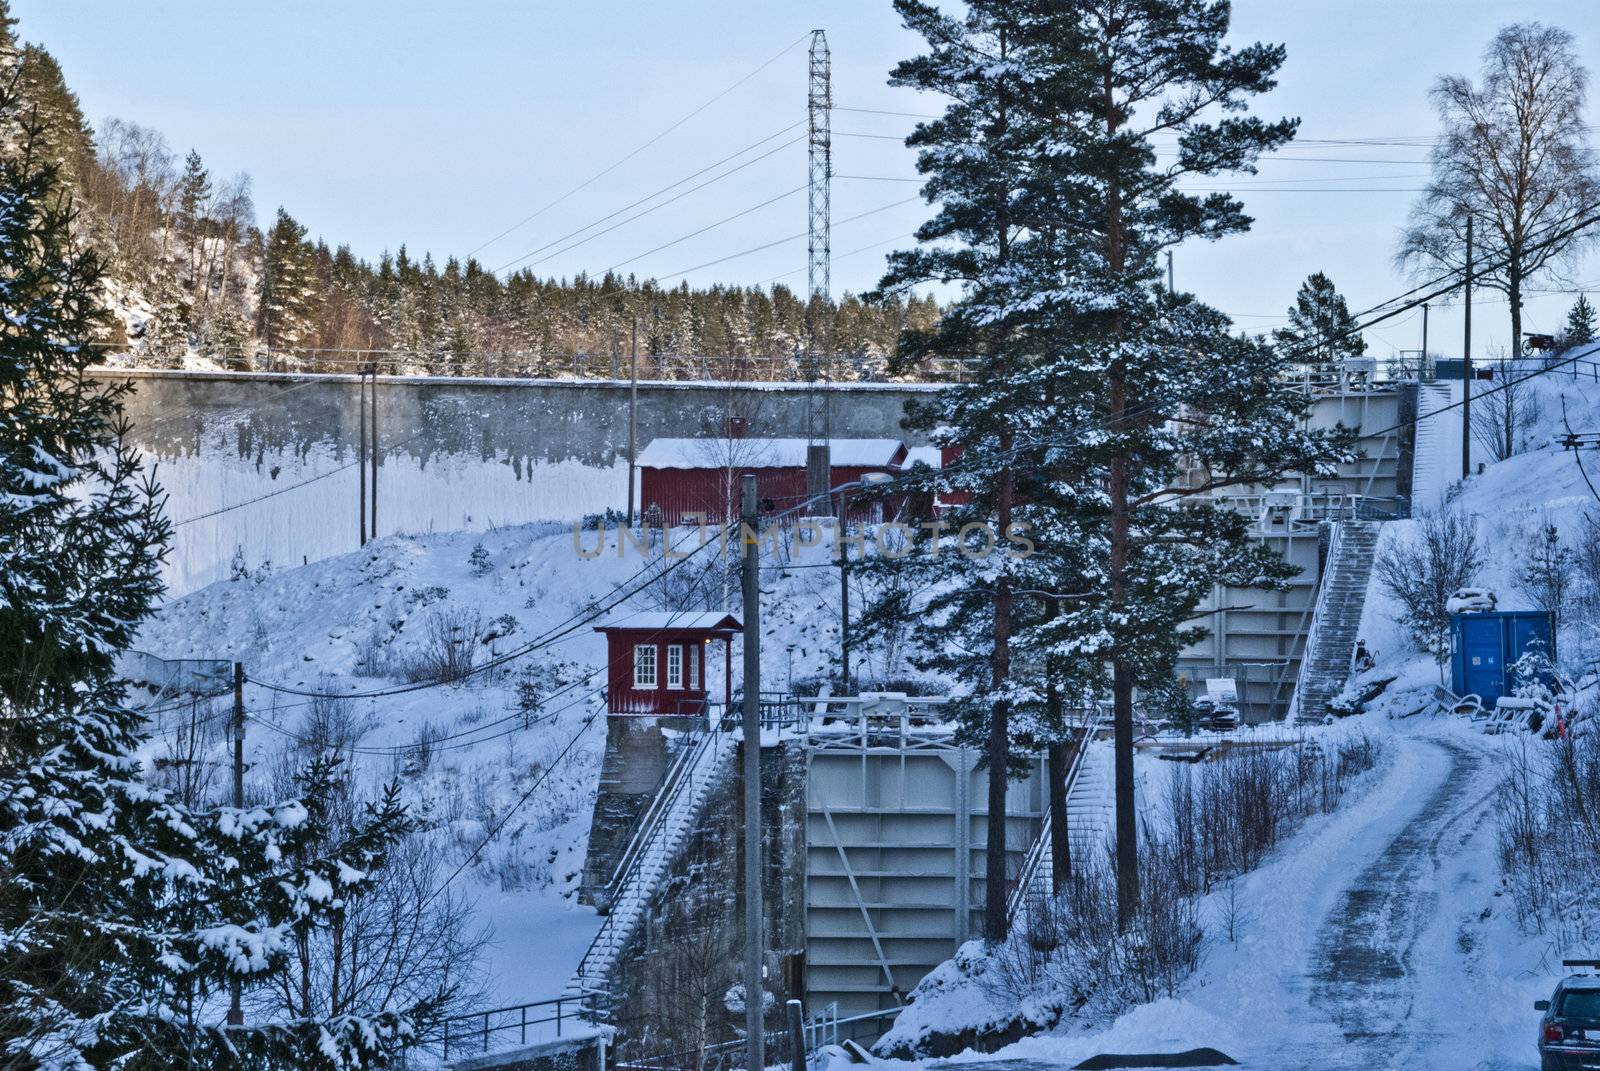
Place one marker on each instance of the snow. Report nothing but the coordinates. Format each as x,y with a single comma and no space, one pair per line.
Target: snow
1464,976
672,453
648,619
349,622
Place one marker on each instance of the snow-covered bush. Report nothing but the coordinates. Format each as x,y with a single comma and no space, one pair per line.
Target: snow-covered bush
1423,572
1548,829
448,649
1068,955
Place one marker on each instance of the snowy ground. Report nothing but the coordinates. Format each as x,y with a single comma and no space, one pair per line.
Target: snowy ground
1378,936
1373,939
353,623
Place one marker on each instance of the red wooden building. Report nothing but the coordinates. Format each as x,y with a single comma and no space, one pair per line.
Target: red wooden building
698,479
656,662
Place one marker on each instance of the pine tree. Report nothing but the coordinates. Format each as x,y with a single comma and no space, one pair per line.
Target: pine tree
288,285
194,201
123,914
1580,323
62,136
1321,332
1105,410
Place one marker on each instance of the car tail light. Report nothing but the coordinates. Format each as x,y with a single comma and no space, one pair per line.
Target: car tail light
1553,1032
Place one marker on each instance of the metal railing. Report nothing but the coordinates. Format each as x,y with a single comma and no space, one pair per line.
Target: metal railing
1041,844
617,928
513,1024
1324,586
662,798
817,1032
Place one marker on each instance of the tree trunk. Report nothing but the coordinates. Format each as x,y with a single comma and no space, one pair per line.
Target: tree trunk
1514,295
1121,523
995,921
1058,757
996,924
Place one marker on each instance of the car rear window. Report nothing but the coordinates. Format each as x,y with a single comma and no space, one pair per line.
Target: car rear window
1580,1004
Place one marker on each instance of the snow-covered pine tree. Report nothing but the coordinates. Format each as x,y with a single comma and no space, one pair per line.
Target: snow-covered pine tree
123,915
1105,411
1321,333
992,161
1580,323
288,285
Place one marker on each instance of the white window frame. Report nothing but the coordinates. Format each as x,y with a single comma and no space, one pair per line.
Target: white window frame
675,666
645,669
694,667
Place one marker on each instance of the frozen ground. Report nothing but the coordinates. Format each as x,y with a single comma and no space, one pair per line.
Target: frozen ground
356,623
1373,939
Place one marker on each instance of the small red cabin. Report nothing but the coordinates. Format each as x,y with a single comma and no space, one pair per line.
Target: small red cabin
656,662
698,479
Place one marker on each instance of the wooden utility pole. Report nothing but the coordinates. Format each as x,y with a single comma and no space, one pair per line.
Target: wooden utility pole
235,1008
1466,362
633,415
754,997
373,371
844,593
361,451
1422,364
1171,289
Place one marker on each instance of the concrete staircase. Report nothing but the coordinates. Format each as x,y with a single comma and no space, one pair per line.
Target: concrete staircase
661,834
1336,622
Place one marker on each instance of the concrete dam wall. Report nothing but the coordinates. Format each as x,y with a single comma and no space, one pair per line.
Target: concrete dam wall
264,465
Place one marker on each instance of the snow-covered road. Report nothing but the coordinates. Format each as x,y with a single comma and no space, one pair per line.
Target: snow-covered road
1374,940
1370,969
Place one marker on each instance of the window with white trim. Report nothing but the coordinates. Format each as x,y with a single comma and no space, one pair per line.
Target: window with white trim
694,666
674,665
644,665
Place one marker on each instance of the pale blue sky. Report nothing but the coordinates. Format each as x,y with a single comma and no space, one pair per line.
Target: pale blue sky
377,122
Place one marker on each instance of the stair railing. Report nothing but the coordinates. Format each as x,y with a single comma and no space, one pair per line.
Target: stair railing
1041,844
1324,585
607,940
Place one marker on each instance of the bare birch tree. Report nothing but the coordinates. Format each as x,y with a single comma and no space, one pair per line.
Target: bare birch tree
1513,156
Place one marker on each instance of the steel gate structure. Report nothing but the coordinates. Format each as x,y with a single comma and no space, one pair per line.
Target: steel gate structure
896,823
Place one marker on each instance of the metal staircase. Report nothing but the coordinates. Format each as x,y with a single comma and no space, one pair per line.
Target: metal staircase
1336,621
659,836
1436,455
1090,807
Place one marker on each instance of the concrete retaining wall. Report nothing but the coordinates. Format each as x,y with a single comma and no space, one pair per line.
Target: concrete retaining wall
456,453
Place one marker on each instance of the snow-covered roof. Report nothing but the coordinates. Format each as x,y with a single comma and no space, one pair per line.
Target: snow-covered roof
717,453
928,455
712,620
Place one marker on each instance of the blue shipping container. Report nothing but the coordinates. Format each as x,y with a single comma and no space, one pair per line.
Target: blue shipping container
1484,647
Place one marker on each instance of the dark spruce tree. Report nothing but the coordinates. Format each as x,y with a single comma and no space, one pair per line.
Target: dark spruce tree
1321,333
124,916
1107,413
1580,323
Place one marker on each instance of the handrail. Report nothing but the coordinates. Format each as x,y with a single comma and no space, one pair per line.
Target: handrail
605,939
1035,857
661,797
481,1028
1324,585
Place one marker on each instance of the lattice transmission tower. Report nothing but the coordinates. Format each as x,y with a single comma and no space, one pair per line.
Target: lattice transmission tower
819,254
819,129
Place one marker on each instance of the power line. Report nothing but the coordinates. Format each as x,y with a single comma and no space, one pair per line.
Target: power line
603,172
657,193
791,238
645,575
708,227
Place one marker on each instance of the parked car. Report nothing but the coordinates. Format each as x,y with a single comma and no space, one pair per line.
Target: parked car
1569,1033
